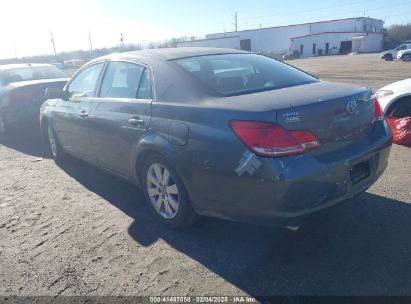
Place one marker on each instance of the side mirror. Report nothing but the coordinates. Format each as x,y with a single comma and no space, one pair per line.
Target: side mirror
56,93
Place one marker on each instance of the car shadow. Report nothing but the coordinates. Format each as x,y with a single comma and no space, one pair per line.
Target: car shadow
361,247
27,141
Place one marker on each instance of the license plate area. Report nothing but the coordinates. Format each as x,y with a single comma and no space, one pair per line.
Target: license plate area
360,172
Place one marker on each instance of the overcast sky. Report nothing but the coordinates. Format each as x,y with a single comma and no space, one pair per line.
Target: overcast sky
25,25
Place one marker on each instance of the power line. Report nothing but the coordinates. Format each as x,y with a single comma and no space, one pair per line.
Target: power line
339,14
310,10
303,11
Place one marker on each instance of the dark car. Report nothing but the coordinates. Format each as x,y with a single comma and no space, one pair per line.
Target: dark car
22,91
292,55
220,133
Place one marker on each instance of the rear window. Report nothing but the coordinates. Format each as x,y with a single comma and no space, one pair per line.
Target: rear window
236,74
32,73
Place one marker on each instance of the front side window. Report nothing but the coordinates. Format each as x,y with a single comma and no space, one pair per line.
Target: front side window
401,48
126,80
236,74
84,84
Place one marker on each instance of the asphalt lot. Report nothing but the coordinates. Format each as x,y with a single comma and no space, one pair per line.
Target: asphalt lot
75,230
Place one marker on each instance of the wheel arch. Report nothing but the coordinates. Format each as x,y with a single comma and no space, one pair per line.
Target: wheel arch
154,144
396,101
44,121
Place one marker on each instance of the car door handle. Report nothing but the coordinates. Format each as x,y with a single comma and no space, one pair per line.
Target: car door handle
136,121
83,114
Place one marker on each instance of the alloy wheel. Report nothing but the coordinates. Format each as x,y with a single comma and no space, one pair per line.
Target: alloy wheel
162,191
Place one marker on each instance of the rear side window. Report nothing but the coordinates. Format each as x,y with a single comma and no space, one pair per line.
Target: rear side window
236,74
126,80
33,73
84,84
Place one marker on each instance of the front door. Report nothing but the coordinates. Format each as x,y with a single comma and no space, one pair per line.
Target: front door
345,47
121,114
71,116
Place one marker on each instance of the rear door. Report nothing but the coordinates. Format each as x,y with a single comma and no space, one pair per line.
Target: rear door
121,114
71,116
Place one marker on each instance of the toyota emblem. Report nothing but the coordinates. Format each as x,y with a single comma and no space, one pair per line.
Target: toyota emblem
352,106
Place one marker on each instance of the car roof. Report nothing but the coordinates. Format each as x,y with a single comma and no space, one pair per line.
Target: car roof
171,53
5,67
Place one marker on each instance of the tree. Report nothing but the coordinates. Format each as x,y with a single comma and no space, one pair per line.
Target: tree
398,33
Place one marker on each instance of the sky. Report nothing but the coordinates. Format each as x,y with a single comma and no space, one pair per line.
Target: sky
25,25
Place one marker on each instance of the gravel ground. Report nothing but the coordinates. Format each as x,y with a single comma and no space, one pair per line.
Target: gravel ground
75,230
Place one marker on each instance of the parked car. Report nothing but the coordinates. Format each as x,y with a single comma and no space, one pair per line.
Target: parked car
291,55
22,91
395,100
222,133
392,54
404,55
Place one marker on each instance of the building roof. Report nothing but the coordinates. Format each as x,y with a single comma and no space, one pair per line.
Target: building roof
297,24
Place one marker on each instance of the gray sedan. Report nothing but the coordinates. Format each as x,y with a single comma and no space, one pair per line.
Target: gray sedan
221,133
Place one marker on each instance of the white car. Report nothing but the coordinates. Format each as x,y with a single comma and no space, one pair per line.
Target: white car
392,54
395,98
404,55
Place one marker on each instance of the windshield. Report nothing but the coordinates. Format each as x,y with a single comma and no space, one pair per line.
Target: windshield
236,74
32,73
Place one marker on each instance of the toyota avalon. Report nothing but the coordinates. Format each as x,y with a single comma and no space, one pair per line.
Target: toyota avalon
222,133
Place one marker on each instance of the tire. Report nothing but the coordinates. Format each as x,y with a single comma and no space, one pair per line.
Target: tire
388,57
165,193
54,146
406,57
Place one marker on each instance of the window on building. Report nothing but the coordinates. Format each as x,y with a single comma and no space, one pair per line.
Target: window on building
301,49
314,48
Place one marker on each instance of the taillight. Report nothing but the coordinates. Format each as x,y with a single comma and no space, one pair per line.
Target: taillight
24,94
378,113
269,139
306,139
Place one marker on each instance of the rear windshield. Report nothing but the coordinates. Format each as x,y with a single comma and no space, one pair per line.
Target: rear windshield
236,74
32,73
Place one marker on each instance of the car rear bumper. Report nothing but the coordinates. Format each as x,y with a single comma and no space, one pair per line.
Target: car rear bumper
289,189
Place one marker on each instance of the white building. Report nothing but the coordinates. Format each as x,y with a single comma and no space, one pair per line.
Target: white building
343,36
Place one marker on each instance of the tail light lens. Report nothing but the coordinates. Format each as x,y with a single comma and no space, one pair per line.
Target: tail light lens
269,139
306,139
378,113
24,94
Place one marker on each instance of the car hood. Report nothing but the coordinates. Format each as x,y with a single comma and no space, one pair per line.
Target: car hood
402,85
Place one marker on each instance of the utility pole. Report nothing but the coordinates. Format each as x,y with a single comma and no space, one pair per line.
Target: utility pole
91,45
235,21
52,41
122,42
